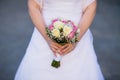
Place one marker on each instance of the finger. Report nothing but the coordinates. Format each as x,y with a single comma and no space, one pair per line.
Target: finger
53,46
54,51
71,47
58,45
65,46
54,43
66,49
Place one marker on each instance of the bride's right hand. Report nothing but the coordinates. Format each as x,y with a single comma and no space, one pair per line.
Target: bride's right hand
54,47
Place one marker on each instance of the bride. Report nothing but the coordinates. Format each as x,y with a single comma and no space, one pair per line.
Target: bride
79,61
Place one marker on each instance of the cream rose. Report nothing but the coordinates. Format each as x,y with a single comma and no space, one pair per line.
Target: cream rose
56,32
58,24
67,30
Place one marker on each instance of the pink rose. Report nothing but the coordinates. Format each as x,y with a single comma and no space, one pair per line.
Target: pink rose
75,28
64,21
72,33
54,20
51,27
73,24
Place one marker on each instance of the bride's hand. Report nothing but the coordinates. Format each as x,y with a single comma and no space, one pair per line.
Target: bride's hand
54,47
67,48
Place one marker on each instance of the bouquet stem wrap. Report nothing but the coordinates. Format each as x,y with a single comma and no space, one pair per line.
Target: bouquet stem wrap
56,61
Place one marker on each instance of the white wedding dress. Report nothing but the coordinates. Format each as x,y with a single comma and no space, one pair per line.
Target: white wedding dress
80,64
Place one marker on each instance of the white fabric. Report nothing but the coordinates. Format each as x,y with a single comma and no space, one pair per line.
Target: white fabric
80,64
86,3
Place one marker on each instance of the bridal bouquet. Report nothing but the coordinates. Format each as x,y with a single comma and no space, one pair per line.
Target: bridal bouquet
62,32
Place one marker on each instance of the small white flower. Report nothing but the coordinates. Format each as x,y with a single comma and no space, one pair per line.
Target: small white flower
78,30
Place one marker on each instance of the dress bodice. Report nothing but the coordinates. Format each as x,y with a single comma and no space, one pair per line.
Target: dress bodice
76,4
68,9
63,6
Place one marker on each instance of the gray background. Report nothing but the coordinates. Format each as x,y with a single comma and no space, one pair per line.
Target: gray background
16,29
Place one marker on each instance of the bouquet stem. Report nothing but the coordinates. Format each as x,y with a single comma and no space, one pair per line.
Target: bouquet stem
56,61
55,64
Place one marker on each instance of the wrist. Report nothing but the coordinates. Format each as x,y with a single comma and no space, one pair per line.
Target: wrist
48,40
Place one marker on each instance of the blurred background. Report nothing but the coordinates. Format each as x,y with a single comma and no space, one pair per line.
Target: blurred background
16,29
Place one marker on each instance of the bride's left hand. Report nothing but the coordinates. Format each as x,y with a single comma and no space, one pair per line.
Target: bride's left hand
67,48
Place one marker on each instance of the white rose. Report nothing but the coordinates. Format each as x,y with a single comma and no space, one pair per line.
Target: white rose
67,30
58,24
56,32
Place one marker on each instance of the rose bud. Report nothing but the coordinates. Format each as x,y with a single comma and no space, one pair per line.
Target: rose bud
51,27
54,20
